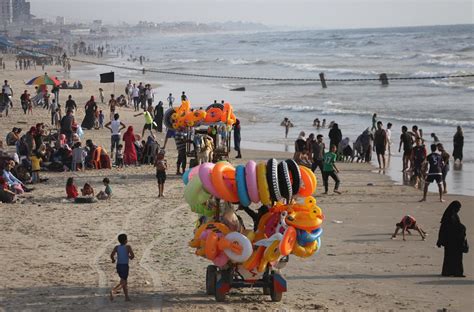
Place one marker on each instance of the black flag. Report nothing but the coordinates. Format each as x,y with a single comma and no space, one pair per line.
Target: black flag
107,77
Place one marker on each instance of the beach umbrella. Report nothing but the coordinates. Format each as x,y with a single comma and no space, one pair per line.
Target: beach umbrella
44,80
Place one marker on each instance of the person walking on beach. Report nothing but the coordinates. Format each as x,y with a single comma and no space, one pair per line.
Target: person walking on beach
445,156
115,126
135,97
330,170
374,122
170,100
180,140
452,236
419,158
380,143
112,106
124,253
161,167
148,123
335,136
318,153
184,97
287,124
8,91
435,173
458,144
388,131
406,224
70,104
407,141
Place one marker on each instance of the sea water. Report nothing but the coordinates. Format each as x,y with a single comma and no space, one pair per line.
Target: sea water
434,105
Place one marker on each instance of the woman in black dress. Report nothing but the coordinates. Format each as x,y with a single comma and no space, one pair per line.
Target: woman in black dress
335,136
158,119
452,235
458,143
91,109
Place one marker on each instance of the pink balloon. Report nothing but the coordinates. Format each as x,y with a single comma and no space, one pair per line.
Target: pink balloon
193,172
221,260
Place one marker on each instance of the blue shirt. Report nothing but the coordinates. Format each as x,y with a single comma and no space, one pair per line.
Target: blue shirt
122,254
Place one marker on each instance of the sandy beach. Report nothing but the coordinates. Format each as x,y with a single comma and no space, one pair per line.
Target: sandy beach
55,255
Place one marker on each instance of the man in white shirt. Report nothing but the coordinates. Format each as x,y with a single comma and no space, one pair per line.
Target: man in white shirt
52,109
150,95
135,96
128,90
7,89
388,131
115,126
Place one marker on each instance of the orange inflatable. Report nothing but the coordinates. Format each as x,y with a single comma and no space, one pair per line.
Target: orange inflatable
228,116
309,182
214,114
288,241
192,118
223,179
254,259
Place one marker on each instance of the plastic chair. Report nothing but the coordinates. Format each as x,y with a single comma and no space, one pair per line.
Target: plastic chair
96,157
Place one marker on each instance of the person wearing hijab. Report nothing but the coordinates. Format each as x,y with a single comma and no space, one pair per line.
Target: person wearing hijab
335,135
452,236
458,144
158,119
89,120
130,153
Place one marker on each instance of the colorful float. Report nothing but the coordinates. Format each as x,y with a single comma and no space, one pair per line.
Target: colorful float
290,224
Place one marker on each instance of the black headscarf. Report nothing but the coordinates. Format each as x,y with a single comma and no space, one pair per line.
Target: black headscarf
450,215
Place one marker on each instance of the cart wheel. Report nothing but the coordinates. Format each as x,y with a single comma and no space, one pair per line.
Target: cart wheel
211,279
220,297
266,290
224,279
275,295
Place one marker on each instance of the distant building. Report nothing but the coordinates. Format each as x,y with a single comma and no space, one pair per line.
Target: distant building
6,12
21,12
60,20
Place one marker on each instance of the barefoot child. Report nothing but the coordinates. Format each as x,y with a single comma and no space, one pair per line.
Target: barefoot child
107,193
71,189
161,166
124,253
408,223
435,173
330,169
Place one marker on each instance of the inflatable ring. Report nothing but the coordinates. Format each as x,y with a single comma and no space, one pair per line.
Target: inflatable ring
254,259
242,186
193,172
215,105
167,118
295,175
211,245
308,187
223,179
85,200
284,182
185,176
306,251
288,241
272,179
244,242
213,115
304,237
194,193
272,253
251,180
312,176
205,171
262,183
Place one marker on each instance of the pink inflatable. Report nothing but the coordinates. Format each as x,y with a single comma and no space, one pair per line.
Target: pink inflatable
205,170
251,180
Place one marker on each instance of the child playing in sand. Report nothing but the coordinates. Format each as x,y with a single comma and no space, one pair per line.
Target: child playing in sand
119,156
408,223
87,190
71,189
107,193
124,254
101,119
161,166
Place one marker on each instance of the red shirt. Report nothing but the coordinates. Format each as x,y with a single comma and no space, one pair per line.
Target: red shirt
71,191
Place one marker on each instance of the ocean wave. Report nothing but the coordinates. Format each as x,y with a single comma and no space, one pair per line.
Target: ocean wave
456,64
247,62
341,111
185,61
317,68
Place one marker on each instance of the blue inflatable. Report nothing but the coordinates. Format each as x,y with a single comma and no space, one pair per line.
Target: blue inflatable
242,186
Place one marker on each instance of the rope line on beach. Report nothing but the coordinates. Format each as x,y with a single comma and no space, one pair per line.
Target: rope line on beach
174,73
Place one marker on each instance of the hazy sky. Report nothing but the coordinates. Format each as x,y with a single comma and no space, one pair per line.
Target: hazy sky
296,13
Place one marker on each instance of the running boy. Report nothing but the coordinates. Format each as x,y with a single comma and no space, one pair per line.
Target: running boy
435,173
408,223
161,166
330,169
124,254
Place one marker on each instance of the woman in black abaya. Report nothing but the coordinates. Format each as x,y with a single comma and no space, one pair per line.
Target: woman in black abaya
158,119
89,120
452,235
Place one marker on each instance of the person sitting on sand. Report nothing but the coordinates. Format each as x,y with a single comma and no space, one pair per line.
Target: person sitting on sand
6,196
71,189
124,253
87,190
107,193
408,223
